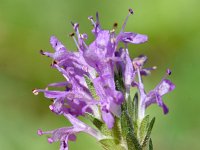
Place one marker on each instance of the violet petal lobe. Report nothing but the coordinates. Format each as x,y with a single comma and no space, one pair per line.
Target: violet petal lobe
130,37
108,119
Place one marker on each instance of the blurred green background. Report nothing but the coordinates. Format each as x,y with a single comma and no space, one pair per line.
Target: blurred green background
173,27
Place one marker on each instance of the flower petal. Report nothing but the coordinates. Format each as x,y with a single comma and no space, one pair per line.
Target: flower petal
56,44
108,119
130,37
165,86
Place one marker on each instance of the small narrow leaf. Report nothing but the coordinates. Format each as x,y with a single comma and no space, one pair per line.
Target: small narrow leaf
91,87
119,84
130,107
143,128
132,142
135,124
147,137
135,113
126,123
100,125
128,132
150,144
135,107
109,144
116,131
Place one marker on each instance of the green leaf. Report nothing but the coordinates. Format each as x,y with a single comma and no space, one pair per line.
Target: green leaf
135,124
135,107
116,131
91,87
128,132
126,123
132,142
100,125
130,107
109,144
150,144
143,128
119,84
134,113
147,137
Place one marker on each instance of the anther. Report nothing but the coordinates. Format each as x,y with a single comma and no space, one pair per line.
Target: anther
39,132
41,52
97,18
112,31
54,62
71,34
115,25
169,72
50,140
130,11
91,19
72,23
51,107
154,67
75,26
35,91
83,36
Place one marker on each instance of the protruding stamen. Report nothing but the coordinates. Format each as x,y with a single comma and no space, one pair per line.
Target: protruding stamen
130,13
141,86
51,107
40,132
84,36
115,25
112,33
65,74
154,67
72,23
50,140
75,41
76,26
97,20
71,34
169,72
112,36
35,91
53,63
92,20
41,52
139,61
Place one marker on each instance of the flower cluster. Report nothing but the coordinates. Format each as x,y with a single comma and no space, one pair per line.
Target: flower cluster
98,78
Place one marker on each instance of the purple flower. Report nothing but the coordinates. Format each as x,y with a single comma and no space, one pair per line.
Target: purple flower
90,84
66,134
155,95
97,61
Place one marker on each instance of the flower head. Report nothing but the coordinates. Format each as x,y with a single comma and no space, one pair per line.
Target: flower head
97,80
